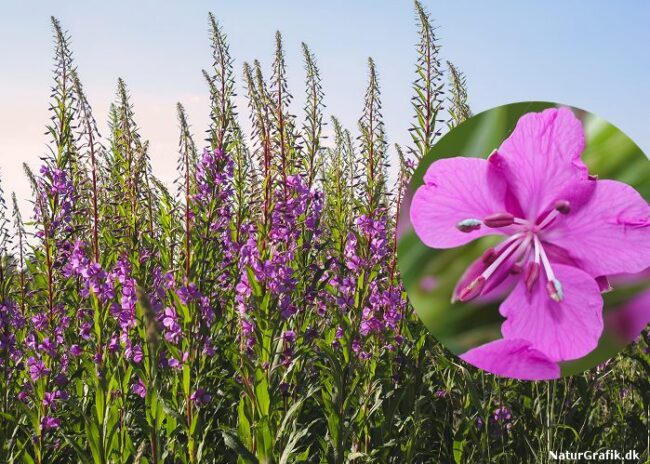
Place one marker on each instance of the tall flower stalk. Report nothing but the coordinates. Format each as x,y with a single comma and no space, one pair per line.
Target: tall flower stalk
255,313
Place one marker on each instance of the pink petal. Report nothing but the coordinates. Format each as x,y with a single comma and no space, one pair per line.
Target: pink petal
566,330
541,160
456,189
610,234
513,358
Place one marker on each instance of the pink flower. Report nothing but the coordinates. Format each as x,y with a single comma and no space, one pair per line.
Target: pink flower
37,369
563,229
200,397
49,422
139,388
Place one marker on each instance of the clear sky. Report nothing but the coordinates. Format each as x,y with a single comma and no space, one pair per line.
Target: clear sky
590,54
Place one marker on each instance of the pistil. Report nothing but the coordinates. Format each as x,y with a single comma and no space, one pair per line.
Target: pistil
553,287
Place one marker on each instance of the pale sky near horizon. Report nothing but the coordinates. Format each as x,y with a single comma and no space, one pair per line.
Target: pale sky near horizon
591,55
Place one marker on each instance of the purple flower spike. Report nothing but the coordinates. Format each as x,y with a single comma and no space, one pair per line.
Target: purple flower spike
563,230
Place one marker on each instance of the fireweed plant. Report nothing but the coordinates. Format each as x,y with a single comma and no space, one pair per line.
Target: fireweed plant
565,230
253,311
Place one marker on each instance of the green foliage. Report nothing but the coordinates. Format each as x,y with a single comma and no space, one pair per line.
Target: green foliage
459,109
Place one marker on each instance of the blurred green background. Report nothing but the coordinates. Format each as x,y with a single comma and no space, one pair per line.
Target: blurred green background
430,275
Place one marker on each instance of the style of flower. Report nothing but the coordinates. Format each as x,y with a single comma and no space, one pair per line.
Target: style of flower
564,232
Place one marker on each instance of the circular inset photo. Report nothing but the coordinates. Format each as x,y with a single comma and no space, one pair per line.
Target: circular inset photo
524,240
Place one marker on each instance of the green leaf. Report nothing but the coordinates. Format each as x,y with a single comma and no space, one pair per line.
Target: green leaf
234,443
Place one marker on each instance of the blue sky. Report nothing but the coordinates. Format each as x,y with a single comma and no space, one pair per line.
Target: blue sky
590,54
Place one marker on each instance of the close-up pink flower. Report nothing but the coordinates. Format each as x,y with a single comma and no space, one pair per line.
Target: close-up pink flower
564,231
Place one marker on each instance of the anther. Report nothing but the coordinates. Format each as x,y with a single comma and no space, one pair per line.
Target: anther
472,290
469,225
554,288
499,220
563,206
531,274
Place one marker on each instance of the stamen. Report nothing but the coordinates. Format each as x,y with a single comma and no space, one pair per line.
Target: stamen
469,225
520,246
472,290
492,258
547,265
531,274
550,217
554,288
563,206
560,207
489,256
499,220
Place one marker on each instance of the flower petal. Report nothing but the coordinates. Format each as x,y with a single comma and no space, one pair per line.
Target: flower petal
562,331
610,234
541,160
629,320
513,358
456,189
